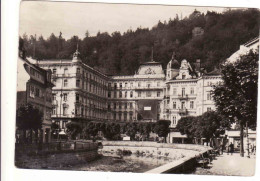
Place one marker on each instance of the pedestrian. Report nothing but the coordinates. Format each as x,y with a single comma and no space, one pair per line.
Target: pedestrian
231,148
228,149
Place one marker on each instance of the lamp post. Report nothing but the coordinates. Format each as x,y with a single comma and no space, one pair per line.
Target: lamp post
247,140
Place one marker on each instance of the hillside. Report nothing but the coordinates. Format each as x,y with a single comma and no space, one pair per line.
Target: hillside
210,37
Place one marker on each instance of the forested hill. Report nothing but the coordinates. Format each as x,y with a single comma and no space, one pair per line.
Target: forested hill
210,37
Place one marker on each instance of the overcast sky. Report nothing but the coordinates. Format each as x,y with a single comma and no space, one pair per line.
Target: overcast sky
44,18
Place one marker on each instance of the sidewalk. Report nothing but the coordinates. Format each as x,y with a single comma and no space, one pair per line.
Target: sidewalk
232,165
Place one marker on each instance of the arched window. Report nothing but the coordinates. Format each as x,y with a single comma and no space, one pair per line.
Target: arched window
131,94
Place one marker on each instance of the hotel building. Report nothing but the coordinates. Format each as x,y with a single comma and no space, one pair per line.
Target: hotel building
82,93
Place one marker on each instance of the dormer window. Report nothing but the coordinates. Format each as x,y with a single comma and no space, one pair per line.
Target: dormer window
183,76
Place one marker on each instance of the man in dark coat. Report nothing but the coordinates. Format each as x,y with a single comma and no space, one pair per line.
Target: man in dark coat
231,148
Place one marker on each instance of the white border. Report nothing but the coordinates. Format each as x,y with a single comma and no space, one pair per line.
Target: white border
9,50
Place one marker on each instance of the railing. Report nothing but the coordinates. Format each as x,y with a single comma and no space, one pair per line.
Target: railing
55,146
183,111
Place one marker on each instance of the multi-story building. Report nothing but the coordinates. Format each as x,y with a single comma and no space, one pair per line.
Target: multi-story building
79,92
34,87
187,93
82,93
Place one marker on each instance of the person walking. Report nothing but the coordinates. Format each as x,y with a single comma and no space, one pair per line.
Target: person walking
231,148
228,149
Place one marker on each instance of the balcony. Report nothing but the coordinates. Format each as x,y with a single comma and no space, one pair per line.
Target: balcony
148,88
183,111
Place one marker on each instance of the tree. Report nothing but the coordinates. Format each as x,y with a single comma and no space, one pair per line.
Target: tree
209,125
236,97
185,126
131,130
29,118
73,129
162,128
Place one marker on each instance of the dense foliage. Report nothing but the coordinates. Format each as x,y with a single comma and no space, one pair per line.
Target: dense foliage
236,98
210,124
29,118
114,131
122,53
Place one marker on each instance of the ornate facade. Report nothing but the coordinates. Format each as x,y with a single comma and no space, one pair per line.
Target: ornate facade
83,93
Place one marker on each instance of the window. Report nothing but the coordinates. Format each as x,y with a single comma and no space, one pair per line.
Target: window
174,91
114,116
108,106
139,84
54,110
109,85
65,71
53,96
174,120
158,93
131,116
183,92
54,71
77,98
191,104
120,85
65,83
125,84
174,105
78,70
120,116
125,116
208,96
77,83
209,109
192,90
65,97
120,105
120,94
125,105
148,85
168,101
37,92
131,105
114,105
131,94
31,91
115,85
109,94
182,105
148,94
114,94
125,94
131,85
158,84
139,94
65,109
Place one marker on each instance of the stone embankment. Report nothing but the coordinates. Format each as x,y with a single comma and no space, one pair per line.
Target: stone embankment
54,155
182,156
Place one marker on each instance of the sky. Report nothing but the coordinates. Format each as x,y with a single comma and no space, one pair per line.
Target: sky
71,18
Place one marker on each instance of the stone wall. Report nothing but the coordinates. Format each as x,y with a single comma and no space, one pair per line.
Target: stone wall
30,156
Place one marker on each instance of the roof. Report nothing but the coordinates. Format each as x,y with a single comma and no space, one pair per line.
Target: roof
150,63
214,72
175,64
